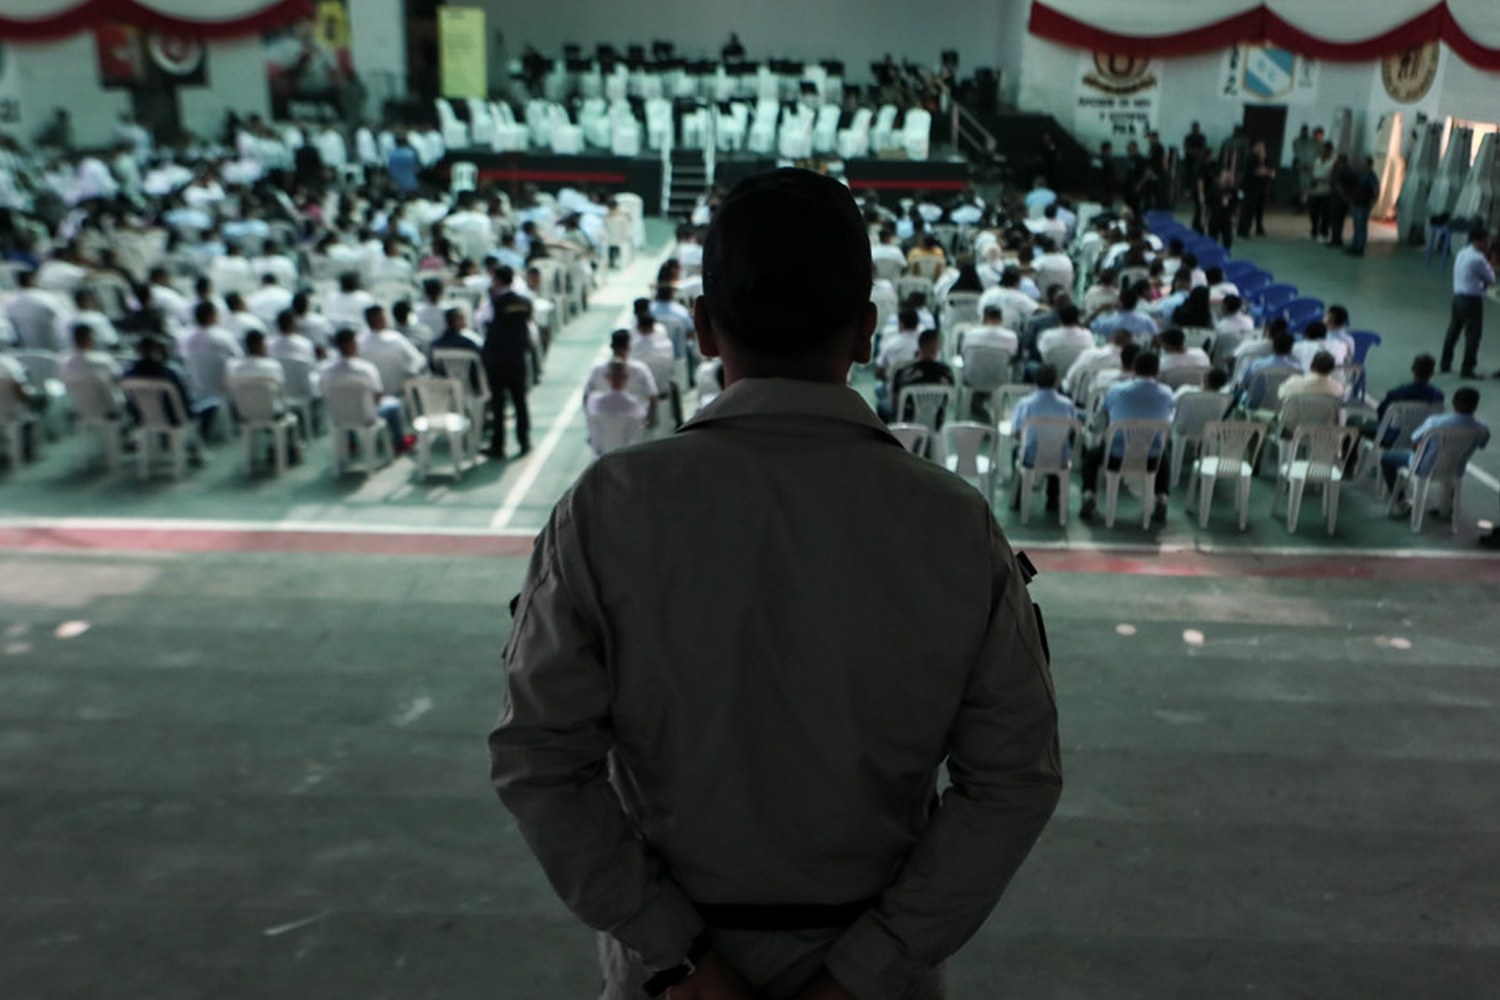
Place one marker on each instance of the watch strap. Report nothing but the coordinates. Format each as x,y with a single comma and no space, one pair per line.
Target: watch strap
669,977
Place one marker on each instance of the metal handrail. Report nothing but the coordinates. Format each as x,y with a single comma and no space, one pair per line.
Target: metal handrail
666,169
711,147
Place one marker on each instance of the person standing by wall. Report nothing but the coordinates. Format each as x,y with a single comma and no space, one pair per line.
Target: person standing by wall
1364,188
1320,192
1472,275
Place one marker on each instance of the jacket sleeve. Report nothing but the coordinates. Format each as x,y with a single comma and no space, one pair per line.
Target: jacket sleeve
1006,772
549,761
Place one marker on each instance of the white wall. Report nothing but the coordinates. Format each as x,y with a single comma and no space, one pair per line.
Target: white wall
65,74
236,82
377,43
856,31
1466,92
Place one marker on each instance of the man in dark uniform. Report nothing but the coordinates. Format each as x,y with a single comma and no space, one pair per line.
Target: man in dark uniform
507,348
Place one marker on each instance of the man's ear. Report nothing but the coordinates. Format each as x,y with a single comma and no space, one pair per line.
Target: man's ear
703,326
861,346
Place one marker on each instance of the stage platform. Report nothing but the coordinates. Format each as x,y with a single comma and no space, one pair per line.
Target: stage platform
891,179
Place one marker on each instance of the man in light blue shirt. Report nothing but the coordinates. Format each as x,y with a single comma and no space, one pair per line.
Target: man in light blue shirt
1141,327
1465,402
1039,197
1142,398
1336,322
1252,386
1472,274
1045,402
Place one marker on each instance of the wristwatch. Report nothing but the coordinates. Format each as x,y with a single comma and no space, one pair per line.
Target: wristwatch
672,975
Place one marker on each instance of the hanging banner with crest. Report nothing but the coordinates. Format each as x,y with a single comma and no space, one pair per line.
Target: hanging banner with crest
1119,97
1260,74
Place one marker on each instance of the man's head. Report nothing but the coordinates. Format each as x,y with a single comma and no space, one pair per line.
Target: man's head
1480,240
1068,315
503,276
1232,304
1147,364
152,349
908,318
1423,367
993,316
234,302
375,318
255,344
432,289
401,312
204,314
1128,299
286,321
786,278
1046,377
1315,331
1322,363
1466,401
301,304
1215,275
1172,341
1336,318
1281,343
1128,354
347,342
619,343
1216,379
928,344
453,319
1010,278
665,293
83,337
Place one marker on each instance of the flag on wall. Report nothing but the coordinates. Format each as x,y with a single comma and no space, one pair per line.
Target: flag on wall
1261,74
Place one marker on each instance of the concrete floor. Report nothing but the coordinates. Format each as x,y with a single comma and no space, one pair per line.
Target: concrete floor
237,763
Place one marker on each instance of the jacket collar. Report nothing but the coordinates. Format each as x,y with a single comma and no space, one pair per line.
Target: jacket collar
768,397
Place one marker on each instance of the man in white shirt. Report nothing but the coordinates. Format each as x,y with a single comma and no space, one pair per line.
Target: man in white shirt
1177,356
1336,319
232,272
391,267
349,367
86,359
346,307
288,343
431,309
1234,321
269,300
256,362
617,417
1053,267
63,272
1318,381
639,381
470,229
991,332
1066,342
238,319
887,256
314,326
206,350
397,358
899,348
1017,305
34,316
1080,376
274,262
164,297
1315,341
106,337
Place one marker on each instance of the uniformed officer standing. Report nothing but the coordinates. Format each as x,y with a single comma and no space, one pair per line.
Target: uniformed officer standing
507,349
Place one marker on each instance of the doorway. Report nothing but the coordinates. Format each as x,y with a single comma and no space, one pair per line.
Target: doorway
1266,123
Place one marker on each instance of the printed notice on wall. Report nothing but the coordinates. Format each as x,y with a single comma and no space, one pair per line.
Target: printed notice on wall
461,52
1118,98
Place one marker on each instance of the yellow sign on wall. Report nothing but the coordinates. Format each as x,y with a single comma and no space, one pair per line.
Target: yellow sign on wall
461,50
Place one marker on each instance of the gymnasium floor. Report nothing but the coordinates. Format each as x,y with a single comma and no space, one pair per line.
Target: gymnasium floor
242,723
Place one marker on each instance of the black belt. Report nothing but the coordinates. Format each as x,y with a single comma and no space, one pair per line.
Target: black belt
781,916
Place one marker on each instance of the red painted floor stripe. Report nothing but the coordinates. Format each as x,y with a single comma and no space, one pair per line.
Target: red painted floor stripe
1353,566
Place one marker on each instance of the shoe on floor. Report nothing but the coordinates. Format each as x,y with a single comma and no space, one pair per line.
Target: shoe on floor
1086,510
1159,515
1492,540
1472,375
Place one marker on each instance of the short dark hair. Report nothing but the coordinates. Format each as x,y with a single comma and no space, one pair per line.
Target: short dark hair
1323,363
1282,343
204,312
927,337
908,318
1128,354
504,274
1147,363
286,321
372,311
993,312
1046,377
1423,367
1173,338
1339,315
1314,330
1232,304
1128,299
786,263
1068,315
1214,275
344,336
619,339
348,281
254,341
1466,400
1216,379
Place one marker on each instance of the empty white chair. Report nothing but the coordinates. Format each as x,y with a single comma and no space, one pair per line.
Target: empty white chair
659,128
1194,412
762,138
164,420
99,412
916,133
261,405
438,411
695,129
888,268
913,437
618,244
1188,375
636,206
1316,455
854,141
960,307
43,371
881,134
826,129
361,440
969,451
1145,443
625,137
567,138
464,176
1055,439
481,123
1301,410
1440,457
731,130
302,393
1227,451
510,135
466,368
455,133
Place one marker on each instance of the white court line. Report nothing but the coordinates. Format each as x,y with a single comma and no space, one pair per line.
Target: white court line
1485,479
573,408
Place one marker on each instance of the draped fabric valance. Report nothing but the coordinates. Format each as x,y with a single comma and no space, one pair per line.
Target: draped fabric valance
1336,30
40,20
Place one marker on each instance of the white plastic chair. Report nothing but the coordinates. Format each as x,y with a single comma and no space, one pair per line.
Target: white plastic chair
467,369
164,418
1400,420
1445,452
463,176
1056,438
1003,403
261,405
881,133
437,408
454,132
1302,410
913,437
350,421
99,413
14,418
1190,420
929,404
44,371
611,431
617,237
1228,449
1270,380
302,393
981,368
1322,449
1140,438
960,307
916,133
1176,378
854,141
636,206
969,451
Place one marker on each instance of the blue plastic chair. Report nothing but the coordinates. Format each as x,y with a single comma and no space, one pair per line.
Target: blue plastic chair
1158,220
1265,303
1300,312
1254,282
1215,257
1363,341
1238,270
